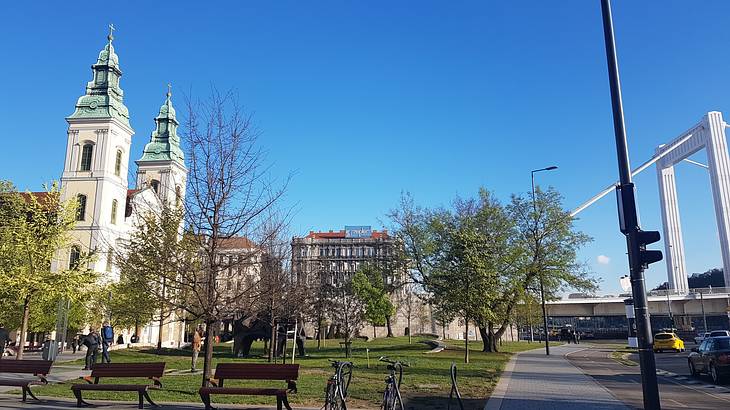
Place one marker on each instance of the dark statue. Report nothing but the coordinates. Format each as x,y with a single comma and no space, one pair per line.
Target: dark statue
247,330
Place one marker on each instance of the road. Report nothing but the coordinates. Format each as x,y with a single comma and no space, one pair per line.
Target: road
624,382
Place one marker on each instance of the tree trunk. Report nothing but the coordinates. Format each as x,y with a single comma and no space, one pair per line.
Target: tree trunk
273,343
23,328
489,338
319,332
390,327
208,358
410,331
375,333
159,334
136,328
466,341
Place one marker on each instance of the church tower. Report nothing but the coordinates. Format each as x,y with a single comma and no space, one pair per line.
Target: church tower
162,165
97,158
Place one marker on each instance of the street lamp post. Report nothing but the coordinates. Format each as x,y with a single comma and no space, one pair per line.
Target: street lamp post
542,282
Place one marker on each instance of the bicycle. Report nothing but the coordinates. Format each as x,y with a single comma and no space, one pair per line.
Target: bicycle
335,394
391,394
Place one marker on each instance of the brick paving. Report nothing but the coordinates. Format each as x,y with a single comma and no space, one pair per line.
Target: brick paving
532,380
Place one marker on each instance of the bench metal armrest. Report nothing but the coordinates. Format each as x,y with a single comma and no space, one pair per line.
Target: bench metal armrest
291,386
42,378
88,379
157,382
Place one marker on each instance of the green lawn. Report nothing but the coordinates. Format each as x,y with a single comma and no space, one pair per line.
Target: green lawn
428,376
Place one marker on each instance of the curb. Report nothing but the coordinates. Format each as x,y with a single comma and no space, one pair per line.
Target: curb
494,402
436,346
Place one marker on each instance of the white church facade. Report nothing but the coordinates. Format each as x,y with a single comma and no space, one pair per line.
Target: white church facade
96,170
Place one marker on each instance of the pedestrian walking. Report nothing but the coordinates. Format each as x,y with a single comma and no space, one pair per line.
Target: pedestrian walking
4,339
92,342
196,344
75,343
107,338
576,337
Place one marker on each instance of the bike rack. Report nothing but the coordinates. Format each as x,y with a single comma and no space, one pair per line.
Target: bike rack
454,389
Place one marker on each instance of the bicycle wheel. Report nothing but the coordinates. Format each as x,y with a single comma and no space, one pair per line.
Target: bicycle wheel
344,376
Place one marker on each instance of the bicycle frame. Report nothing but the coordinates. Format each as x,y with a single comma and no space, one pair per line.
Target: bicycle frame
392,385
337,386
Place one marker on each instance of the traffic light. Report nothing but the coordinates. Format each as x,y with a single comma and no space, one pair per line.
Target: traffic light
644,238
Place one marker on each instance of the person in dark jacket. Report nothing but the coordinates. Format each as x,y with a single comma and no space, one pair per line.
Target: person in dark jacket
92,342
75,343
4,338
107,338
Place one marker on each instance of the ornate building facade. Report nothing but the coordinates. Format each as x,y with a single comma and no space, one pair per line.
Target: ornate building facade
96,172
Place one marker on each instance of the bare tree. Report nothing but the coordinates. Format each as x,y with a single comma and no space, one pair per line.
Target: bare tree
408,304
229,195
223,230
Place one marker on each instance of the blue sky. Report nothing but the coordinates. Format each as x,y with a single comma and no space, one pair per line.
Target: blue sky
363,100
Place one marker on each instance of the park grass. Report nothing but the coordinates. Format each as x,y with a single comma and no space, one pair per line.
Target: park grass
427,376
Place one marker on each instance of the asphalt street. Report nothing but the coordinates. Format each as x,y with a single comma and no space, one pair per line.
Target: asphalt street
677,391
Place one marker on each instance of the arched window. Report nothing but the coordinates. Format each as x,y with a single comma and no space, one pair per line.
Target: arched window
114,211
155,184
178,195
118,163
81,209
86,154
73,260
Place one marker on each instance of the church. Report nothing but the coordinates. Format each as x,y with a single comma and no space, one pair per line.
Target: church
95,174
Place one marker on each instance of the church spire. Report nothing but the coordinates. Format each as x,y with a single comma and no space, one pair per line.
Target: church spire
104,97
164,144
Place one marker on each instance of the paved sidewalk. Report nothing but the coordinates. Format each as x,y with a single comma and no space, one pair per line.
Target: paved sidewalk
532,380
13,403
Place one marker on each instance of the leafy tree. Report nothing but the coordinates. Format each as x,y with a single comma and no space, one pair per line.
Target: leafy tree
471,244
34,244
480,259
548,243
152,264
368,286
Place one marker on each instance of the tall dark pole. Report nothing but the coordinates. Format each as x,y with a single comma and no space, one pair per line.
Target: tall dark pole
542,284
704,317
629,222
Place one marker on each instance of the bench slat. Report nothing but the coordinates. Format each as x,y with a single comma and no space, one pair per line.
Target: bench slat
256,371
25,366
156,369
253,391
113,387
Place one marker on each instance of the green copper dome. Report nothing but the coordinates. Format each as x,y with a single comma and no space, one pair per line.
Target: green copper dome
104,97
164,144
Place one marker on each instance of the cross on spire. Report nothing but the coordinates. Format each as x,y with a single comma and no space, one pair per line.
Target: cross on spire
169,90
110,37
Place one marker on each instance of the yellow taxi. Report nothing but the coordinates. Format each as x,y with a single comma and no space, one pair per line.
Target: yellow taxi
668,341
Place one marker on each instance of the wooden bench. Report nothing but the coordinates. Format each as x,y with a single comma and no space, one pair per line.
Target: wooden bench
152,371
252,371
38,368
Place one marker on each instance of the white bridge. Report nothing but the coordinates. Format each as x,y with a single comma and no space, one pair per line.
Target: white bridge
708,134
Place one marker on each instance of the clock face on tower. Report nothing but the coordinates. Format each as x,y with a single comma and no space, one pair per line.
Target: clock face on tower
92,105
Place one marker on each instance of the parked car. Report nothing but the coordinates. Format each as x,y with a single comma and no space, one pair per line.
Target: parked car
711,357
719,333
668,341
702,336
